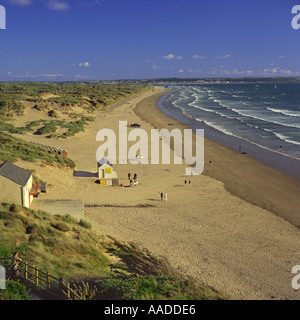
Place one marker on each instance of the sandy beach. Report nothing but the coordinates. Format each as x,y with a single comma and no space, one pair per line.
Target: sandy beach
235,227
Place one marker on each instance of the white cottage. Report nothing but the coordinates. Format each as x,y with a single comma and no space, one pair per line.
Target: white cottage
16,185
107,174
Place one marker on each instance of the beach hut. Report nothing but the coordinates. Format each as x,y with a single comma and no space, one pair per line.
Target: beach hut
107,174
16,185
43,187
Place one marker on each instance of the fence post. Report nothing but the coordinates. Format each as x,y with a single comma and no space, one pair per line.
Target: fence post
48,281
37,276
26,270
68,290
62,285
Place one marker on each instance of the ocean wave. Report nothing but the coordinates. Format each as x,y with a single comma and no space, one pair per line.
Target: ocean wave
289,113
217,127
279,136
283,137
263,116
245,114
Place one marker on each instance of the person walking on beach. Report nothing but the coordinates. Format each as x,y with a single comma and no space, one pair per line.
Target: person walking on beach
185,182
14,266
166,197
129,175
161,196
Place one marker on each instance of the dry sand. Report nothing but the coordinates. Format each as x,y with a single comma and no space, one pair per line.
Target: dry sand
204,229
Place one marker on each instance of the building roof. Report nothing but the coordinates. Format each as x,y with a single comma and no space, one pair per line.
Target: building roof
14,173
103,161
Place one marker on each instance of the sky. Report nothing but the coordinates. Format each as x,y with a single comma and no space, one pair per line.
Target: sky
66,40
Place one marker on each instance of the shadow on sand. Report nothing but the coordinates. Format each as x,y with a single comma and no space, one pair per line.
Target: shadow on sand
85,174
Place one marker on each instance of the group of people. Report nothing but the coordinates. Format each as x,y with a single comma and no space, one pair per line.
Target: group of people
163,196
185,182
134,178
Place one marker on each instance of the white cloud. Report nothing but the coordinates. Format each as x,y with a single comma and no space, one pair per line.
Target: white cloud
195,70
52,75
287,72
223,57
84,64
22,2
231,72
156,67
172,56
169,56
57,5
196,56
278,71
28,75
181,71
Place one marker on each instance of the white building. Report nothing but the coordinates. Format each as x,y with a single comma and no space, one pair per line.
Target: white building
16,185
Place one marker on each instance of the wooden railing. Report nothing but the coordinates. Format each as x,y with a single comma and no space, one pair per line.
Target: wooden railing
40,279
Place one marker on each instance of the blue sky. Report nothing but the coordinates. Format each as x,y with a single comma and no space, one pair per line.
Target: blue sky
58,40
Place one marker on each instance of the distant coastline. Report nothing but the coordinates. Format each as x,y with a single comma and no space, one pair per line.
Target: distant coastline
188,81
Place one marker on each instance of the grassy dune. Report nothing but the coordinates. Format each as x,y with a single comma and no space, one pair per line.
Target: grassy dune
64,108
72,250
13,149
54,97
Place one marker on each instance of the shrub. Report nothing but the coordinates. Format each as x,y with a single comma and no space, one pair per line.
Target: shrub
85,224
86,291
52,113
14,291
61,226
69,219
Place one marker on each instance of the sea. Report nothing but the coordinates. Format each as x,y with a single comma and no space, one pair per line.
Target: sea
260,119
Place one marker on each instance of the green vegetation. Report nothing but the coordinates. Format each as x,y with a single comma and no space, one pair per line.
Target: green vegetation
152,287
49,126
91,96
13,149
56,98
51,243
85,224
96,266
14,291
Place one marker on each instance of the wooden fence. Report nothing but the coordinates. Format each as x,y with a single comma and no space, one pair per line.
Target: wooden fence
43,280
